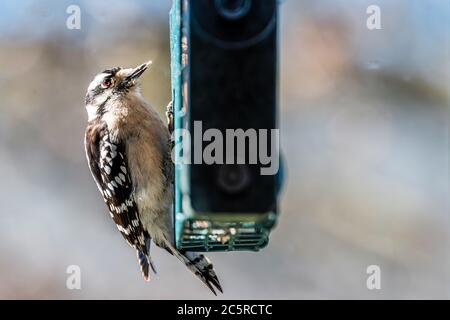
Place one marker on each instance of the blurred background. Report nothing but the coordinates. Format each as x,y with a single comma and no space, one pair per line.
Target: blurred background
365,133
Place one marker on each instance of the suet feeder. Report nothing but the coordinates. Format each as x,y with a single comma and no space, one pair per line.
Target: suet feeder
224,80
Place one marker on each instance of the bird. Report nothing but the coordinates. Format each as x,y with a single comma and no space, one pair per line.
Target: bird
128,150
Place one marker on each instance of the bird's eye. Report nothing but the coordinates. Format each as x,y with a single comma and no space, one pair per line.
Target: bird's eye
106,83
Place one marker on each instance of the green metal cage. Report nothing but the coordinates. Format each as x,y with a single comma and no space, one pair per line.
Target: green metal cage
205,231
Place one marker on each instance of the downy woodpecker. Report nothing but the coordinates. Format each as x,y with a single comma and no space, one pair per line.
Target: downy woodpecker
128,151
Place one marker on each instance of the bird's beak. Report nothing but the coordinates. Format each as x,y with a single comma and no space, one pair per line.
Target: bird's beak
137,72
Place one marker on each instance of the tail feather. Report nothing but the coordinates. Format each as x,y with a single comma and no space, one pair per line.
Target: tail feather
145,261
204,269
145,265
200,265
148,244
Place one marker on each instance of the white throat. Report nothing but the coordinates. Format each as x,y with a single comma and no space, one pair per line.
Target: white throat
92,108
91,111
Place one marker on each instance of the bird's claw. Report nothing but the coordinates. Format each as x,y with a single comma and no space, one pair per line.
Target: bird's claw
169,116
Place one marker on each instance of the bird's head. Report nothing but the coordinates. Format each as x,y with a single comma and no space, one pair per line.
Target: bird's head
113,83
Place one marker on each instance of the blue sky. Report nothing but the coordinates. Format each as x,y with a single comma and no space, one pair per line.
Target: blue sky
418,37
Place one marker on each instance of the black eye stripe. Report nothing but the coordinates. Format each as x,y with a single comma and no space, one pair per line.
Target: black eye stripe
112,72
109,75
108,78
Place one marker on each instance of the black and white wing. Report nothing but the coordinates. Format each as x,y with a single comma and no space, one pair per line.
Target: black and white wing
108,163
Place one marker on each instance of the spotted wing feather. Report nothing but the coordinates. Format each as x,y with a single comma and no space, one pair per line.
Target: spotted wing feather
108,164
